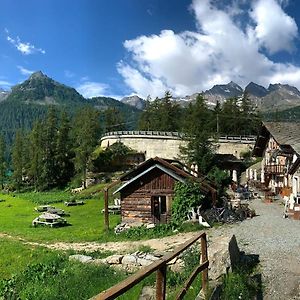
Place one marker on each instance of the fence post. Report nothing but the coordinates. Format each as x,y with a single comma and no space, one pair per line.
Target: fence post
204,258
106,217
161,282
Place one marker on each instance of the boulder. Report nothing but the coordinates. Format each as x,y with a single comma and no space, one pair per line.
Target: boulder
223,256
114,259
144,262
81,258
177,266
129,260
148,293
151,257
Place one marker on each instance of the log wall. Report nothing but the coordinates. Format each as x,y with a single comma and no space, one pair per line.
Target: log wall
136,198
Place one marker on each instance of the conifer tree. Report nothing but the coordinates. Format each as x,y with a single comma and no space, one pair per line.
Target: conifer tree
198,133
49,146
64,152
113,119
86,132
17,160
36,155
3,164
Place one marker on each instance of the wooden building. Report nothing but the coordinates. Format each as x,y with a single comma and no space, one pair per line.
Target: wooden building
278,144
148,190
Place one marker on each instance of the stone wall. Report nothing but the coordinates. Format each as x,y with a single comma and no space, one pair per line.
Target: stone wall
165,146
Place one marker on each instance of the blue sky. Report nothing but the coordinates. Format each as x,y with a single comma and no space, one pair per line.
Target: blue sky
145,47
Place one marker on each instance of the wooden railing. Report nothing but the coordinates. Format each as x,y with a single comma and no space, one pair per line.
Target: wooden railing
160,266
275,169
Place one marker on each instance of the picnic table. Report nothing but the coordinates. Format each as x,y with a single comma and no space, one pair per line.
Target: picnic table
113,209
73,203
49,219
43,208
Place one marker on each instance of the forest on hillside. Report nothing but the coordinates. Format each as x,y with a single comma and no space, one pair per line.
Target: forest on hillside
60,146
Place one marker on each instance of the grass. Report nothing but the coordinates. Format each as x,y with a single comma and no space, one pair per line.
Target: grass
87,221
21,264
31,272
15,256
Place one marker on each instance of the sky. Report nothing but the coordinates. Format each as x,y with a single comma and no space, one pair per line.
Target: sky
119,48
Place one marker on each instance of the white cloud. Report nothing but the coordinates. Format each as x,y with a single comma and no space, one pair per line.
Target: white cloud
24,48
5,84
69,74
274,29
91,89
221,50
25,71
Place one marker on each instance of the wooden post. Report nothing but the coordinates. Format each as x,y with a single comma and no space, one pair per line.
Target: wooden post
161,279
204,258
106,217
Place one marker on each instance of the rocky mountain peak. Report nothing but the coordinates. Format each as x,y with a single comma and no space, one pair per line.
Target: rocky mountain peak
284,88
134,101
256,90
234,85
37,75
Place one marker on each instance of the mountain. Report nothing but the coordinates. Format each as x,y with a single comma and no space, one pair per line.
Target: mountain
3,94
30,100
280,97
256,90
221,92
134,101
42,90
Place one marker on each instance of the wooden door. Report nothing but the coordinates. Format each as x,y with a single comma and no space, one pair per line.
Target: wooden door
159,209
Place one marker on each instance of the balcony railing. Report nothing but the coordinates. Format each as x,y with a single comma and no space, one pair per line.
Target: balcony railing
275,169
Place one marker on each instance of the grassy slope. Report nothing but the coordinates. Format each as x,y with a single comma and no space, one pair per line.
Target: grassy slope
16,215
43,274
87,221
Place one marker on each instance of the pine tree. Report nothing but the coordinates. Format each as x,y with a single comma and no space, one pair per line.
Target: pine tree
36,155
64,154
86,132
49,166
161,115
17,160
3,164
198,133
113,119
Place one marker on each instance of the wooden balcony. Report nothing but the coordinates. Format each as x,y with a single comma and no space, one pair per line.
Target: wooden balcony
275,169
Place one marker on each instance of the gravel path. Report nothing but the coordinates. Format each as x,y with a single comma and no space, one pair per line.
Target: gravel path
277,242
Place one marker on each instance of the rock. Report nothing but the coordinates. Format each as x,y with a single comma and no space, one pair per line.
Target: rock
173,261
114,259
144,262
151,257
148,293
129,260
223,256
149,226
158,254
80,258
178,266
98,261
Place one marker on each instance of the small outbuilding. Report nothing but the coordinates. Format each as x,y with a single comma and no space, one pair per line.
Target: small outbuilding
148,190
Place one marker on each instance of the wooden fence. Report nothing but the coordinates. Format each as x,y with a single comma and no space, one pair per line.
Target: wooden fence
160,266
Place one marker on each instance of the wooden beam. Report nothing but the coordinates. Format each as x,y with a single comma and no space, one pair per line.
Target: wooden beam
204,258
106,217
161,281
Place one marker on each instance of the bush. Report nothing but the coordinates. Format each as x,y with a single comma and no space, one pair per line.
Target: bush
238,285
187,195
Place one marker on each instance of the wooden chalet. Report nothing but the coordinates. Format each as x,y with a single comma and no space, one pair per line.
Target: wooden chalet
278,144
148,190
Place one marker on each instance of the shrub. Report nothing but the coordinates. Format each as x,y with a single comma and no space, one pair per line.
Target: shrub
187,195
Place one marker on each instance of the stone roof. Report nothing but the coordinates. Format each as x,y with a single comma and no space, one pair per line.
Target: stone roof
285,133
